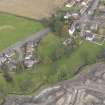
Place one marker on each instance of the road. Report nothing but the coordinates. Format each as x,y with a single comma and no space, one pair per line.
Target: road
35,37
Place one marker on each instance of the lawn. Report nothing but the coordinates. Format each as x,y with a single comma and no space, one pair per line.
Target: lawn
49,72
13,29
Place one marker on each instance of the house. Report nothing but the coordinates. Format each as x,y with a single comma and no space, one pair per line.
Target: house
67,42
9,53
29,56
82,11
72,29
89,35
67,16
74,26
70,3
75,15
2,60
94,26
8,61
29,48
29,63
84,4
11,65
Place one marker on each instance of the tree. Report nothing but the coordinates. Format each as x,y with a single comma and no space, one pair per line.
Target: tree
62,75
19,57
19,67
57,22
8,77
25,85
85,57
101,55
57,53
67,51
2,96
6,74
64,30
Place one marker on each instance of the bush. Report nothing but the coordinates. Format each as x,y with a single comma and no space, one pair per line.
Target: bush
62,75
8,77
101,55
57,22
25,85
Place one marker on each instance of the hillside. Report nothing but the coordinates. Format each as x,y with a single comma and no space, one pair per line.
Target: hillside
85,89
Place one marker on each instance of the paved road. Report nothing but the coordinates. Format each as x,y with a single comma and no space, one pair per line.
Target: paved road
35,37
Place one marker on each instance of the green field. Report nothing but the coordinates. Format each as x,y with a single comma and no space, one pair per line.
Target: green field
49,72
13,29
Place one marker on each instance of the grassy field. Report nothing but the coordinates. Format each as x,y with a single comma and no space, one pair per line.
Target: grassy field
13,29
49,72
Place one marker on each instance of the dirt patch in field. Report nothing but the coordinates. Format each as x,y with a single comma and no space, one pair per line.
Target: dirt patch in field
31,8
7,27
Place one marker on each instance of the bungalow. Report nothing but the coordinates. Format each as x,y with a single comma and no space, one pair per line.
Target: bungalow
9,54
70,4
83,4
101,8
71,31
29,49
67,16
75,15
73,27
82,11
11,65
89,35
29,56
28,63
2,60
94,26
67,42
